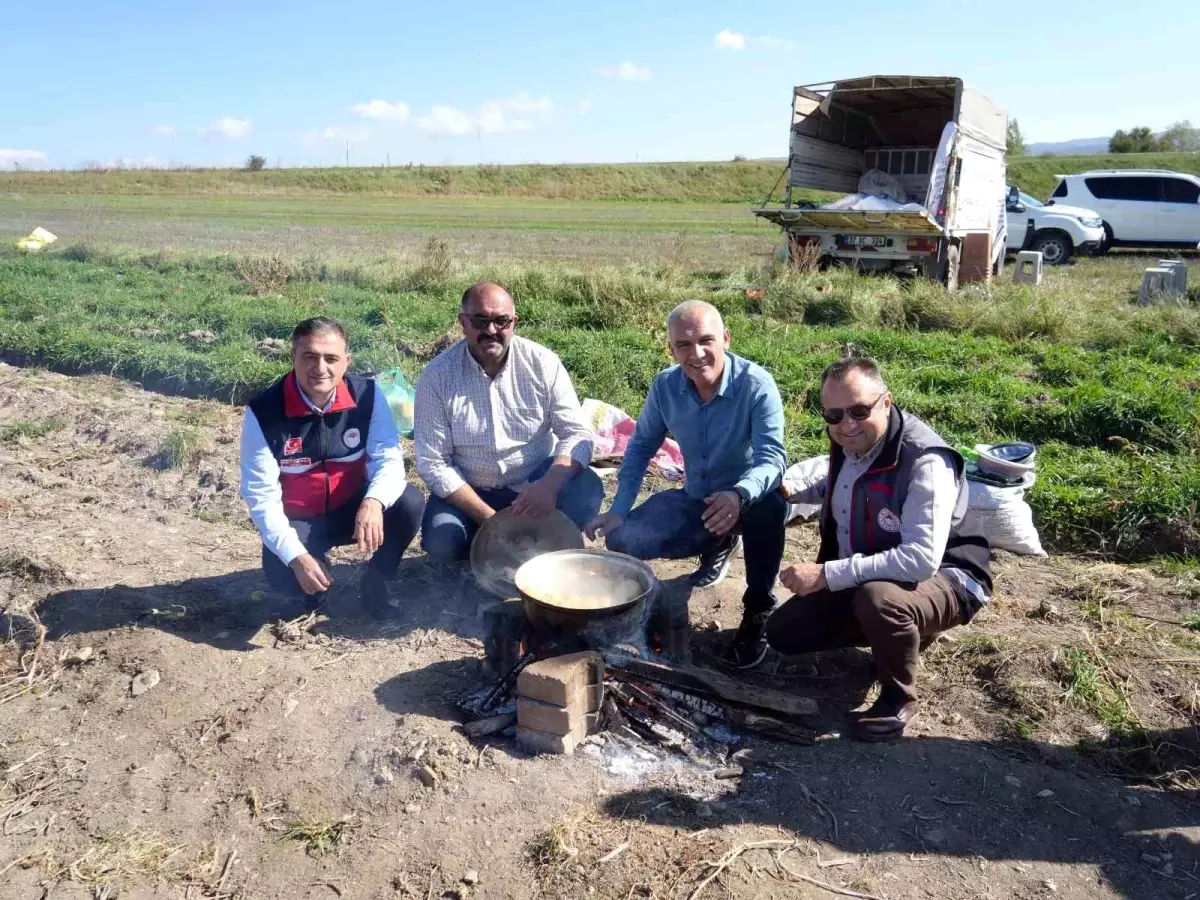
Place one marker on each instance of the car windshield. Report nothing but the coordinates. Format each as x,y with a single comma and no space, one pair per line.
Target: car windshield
1027,200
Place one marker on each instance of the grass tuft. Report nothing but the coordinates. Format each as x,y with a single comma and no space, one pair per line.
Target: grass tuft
182,447
318,837
29,430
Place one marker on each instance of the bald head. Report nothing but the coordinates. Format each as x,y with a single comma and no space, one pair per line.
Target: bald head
694,311
488,318
485,293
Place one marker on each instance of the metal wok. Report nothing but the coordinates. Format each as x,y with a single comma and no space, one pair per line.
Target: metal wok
571,589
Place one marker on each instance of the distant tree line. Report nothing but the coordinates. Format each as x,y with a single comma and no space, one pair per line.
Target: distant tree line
1179,138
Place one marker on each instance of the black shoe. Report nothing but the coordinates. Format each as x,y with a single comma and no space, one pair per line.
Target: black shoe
714,565
749,645
373,592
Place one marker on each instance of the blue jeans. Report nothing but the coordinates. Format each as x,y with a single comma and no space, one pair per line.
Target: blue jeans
447,531
669,526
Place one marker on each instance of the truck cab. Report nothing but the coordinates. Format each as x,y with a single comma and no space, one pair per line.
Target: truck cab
919,161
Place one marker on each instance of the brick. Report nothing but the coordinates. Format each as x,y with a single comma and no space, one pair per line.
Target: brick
542,742
548,717
595,697
558,680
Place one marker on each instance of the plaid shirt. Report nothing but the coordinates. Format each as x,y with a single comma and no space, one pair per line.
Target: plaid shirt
493,432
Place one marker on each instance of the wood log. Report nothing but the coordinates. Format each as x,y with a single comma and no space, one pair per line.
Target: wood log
708,683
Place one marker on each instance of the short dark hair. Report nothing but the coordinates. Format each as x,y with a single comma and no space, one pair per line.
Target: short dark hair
321,325
836,371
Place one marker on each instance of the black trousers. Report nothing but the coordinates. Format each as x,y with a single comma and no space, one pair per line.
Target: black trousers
319,535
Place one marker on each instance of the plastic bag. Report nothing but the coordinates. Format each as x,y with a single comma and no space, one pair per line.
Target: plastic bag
1002,514
36,240
400,396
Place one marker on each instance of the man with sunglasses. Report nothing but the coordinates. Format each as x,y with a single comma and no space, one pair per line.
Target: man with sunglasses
498,425
726,414
895,566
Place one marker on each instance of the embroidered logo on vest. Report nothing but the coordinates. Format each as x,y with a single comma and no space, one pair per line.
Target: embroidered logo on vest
292,445
888,520
352,437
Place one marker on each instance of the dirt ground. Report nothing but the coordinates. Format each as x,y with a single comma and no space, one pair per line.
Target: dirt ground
1056,754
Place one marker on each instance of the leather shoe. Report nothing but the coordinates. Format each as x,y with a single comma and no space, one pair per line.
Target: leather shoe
885,720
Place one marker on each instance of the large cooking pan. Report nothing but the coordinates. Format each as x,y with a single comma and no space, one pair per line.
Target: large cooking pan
570,589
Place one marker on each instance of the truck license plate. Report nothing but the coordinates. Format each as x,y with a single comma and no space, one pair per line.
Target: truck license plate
864,240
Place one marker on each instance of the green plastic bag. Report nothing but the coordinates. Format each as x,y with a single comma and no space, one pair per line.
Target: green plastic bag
400,396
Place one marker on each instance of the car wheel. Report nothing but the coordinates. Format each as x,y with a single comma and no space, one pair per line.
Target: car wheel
1107,243
1056,248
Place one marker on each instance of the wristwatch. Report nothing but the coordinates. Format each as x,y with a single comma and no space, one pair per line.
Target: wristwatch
743,495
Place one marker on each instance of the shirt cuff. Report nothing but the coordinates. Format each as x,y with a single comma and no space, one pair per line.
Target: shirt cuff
580,451
291,547
839,574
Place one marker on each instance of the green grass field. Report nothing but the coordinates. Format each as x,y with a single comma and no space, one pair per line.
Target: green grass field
1108,390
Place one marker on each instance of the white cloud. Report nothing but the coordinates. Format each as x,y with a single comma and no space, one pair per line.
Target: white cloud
382,110
519,113
586,104
352,133
24,158
228,128
165,130
729,40
626,71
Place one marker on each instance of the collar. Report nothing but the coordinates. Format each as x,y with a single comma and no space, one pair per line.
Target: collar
472,366
297,404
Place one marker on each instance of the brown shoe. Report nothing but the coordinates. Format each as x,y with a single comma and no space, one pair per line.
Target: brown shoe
885,720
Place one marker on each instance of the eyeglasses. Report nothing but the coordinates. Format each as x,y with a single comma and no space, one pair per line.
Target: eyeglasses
481,323
858,411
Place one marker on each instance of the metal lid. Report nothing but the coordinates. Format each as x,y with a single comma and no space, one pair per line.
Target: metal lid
505,542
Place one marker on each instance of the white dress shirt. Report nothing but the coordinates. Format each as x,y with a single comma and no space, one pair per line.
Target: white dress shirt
260,475
493,432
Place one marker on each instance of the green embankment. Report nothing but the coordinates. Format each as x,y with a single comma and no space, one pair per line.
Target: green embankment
724,182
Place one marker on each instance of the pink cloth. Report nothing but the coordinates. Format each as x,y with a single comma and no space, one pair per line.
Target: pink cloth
611,430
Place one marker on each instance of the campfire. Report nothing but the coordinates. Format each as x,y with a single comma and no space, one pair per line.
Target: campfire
595,647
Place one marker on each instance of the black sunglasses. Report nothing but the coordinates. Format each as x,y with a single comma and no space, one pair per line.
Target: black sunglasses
858,411
481,323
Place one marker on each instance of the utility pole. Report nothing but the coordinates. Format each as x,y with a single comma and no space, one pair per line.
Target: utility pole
347,154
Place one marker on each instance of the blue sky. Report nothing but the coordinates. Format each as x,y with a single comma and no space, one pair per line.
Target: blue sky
209,83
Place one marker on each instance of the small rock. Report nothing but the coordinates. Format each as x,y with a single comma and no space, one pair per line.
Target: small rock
471,878
1012,781
1045,795
953,719
271,347
384,775
1050,886
712,625
412,809
79,657
143,682
427,776
201,337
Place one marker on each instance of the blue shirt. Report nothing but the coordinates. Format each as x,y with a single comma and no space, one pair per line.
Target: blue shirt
735,440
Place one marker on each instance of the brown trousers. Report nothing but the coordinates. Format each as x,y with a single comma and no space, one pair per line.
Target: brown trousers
896,621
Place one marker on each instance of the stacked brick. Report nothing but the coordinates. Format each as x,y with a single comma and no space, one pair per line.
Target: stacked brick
558,701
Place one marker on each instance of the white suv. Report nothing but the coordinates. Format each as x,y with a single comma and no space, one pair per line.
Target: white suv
1058,232
1140,207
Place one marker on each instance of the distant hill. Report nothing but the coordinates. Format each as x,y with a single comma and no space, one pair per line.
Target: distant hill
1079,146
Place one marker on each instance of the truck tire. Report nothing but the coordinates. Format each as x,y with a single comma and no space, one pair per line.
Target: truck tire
1055,246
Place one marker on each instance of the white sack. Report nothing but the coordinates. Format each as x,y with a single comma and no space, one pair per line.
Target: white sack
1002,514
803,475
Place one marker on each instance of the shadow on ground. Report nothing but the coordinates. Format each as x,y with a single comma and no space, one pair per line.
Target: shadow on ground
936,796
225,611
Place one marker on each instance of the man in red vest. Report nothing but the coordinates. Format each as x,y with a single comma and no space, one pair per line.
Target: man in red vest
896,565
322,466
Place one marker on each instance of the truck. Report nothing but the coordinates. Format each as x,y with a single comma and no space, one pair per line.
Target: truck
921,162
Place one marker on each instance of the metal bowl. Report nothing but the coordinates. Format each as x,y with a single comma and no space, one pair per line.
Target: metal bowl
1010,460
570,588
506,541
